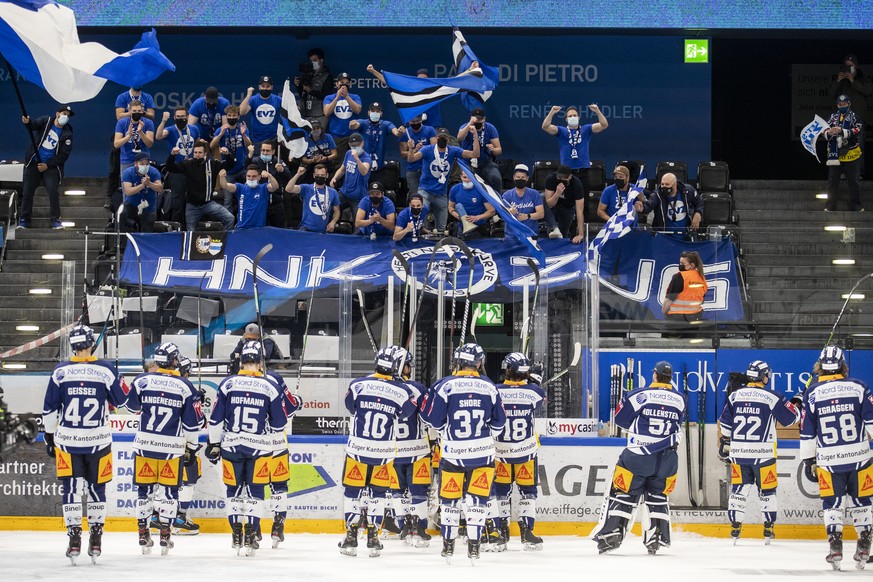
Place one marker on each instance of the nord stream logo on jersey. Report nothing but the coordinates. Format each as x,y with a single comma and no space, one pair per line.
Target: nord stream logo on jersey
635,270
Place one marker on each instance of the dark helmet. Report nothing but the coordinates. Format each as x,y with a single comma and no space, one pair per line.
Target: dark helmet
251,352
469,356
535,374
81,337
402,358
387,360
517,363
167,355
757,370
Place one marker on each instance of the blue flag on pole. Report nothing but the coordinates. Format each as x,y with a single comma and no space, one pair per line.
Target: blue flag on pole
464,59
513,226
40,40
414,95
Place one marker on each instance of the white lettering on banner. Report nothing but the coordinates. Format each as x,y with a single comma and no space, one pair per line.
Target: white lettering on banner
242,270
610,111
165,269
341,273
534,72
174,99
552,264
645,271
484,261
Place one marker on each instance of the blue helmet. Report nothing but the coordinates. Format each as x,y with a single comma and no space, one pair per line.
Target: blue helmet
251,352
402,358
184,366
535,373
81,338
387,360
166,354
516,363
757,370
469,356
831,359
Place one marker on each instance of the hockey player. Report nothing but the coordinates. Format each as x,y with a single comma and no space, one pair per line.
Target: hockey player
517,449
652,417
748,441
76,420
279,470
413,462
248,412
167,438
835,430
191,474
466,409
376,402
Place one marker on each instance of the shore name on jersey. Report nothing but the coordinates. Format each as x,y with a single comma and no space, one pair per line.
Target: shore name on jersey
81,391
470,402
836,408
375,406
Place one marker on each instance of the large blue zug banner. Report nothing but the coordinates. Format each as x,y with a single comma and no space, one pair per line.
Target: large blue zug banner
704,373
300,261
641,83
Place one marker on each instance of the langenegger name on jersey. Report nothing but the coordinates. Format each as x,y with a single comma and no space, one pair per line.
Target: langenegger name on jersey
171,414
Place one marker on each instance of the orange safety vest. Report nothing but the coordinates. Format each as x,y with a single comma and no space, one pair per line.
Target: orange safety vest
690,300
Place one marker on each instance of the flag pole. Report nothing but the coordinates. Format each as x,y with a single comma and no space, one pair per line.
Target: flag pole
12,75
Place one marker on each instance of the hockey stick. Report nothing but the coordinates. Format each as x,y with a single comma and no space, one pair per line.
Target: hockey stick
407,273
628,385
614,379
266,249
477,312
199,331
701,441
366,323
687,437
305,335
528,326
471,265
141,316
456,266
413,320
577,354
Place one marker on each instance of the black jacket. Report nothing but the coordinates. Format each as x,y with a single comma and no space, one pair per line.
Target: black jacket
195,177
691,197
40,128
271,352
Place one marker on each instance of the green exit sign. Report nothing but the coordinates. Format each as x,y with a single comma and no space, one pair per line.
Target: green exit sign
489,314
697,51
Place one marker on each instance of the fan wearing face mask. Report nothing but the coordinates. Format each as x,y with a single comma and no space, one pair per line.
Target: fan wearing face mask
468,206
55,138
339,108
575,138
134,134
232,141
354,174
678,207
320,149
411,222
615,195
375,131
180,137
264,108
140,185
253,197
208,113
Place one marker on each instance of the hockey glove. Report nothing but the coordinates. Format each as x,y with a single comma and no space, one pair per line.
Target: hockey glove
190,458
213,452
724,449
810,470
797,401
49,444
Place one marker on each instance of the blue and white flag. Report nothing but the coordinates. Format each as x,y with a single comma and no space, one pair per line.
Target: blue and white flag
464,59
618,225
40,40
513,226
291,132
810,134
414,95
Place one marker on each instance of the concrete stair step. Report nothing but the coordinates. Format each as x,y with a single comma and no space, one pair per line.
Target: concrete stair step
791,217
63,242
803,283
785,260
825,304
754,240
810,320
810,273
803,247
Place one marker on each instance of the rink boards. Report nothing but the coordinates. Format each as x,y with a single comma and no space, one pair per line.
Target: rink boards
574,474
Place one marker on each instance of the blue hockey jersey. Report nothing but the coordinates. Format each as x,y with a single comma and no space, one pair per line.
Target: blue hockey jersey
76,407
412,443
749,420
248,412
171,414
518,442
837,417
652,417
467,411
376,402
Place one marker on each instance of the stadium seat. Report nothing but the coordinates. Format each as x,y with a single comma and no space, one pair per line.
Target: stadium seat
675,167
634,167
718,208
541,170
597,176
184,337
713,177
167,226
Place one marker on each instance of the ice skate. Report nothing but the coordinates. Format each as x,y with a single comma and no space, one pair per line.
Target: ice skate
277,533
250,540
390,527
862,550
407,531
374,546
349,545
769,533
236,537
529,541
736,527
448,550
835,556
165,541
145,537
95,542
182,526
609,541
421,539
473,551
74,545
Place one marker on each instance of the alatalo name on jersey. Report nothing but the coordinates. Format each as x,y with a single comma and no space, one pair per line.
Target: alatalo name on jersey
748,410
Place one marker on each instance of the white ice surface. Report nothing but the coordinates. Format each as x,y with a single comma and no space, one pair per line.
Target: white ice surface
209,557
